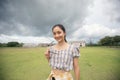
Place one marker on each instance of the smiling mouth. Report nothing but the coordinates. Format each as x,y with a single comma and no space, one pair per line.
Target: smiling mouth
57,38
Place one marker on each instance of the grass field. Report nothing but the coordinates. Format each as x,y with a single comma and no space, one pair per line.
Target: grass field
96,63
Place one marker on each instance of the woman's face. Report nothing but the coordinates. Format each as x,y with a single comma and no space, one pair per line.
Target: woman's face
58,34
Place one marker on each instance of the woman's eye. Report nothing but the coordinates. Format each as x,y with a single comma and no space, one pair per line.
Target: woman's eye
54,33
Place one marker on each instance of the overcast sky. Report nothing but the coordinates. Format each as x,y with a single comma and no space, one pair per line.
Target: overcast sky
30,21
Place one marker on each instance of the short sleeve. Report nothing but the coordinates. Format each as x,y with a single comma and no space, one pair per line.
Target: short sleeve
76,51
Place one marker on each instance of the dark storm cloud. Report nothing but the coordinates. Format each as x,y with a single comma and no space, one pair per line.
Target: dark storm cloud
36,17
3,11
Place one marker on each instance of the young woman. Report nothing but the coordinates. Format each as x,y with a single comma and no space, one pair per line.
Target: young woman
62,57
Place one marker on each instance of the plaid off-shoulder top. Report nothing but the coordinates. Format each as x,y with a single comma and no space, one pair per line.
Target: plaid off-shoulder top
63,59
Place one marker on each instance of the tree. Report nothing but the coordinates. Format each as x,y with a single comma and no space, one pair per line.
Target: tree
106,41
14,44
3,45
110,41
116,40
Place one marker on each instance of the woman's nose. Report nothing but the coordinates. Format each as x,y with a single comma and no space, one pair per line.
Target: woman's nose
56,35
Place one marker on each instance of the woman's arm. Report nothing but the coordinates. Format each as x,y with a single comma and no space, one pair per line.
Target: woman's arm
47,54
76,68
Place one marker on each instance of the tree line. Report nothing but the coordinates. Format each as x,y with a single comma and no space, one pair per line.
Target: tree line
106,41
110,41
11,44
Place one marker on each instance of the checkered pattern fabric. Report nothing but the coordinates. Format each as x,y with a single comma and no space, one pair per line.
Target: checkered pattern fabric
63,59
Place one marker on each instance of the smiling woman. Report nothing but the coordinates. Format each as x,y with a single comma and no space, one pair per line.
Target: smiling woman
59,32
62,56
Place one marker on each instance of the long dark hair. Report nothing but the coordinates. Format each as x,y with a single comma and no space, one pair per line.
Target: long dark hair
62,28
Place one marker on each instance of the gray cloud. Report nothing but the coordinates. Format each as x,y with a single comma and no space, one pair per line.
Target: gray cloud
116,9
38,16
113,12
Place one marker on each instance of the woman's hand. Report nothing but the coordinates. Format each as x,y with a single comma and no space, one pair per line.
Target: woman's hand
47,54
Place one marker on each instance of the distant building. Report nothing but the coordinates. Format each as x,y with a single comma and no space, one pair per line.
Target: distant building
30,45
43,44
78,43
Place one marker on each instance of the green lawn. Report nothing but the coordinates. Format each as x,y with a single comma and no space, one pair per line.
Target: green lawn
96,63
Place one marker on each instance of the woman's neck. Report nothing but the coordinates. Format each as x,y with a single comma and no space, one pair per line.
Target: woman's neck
62,43
62,46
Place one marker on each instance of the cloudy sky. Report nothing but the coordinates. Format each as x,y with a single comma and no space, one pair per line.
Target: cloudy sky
30,21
